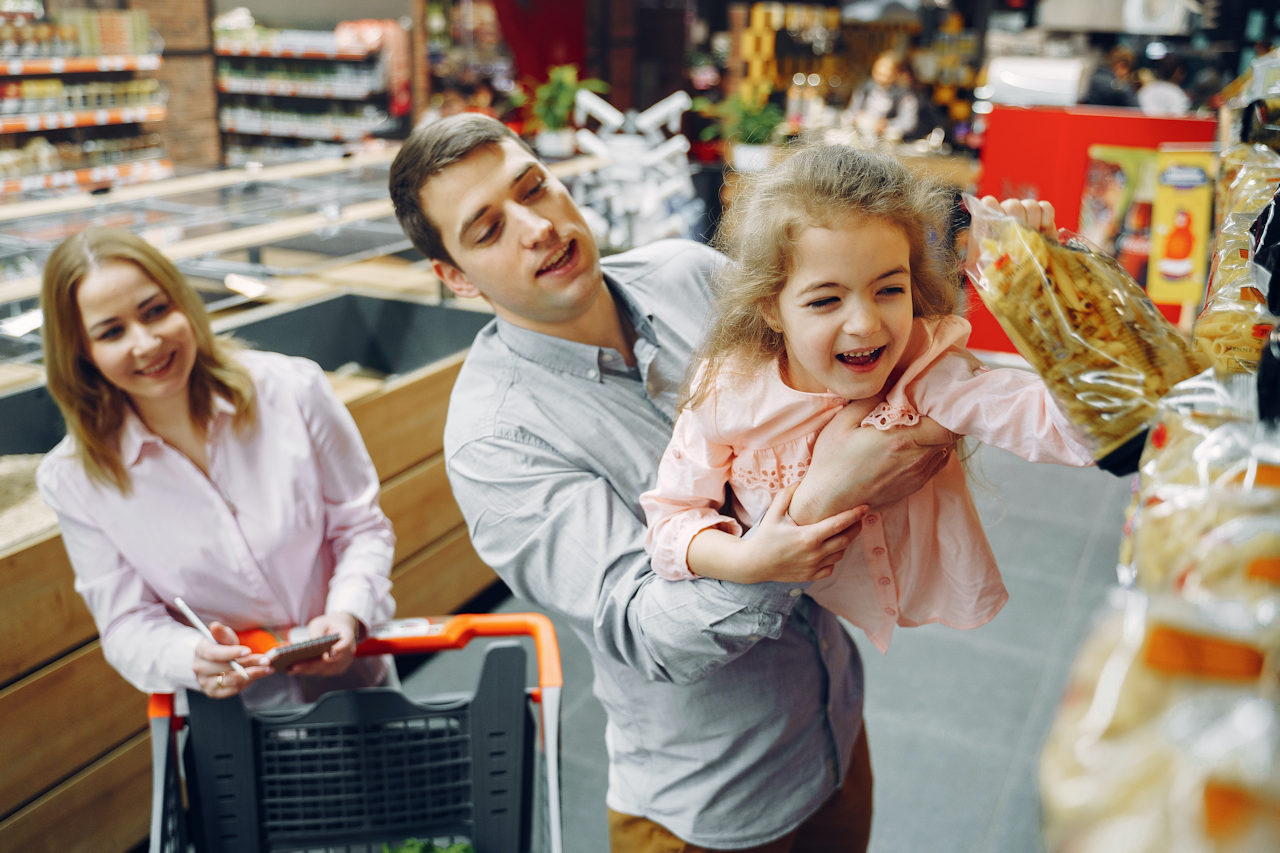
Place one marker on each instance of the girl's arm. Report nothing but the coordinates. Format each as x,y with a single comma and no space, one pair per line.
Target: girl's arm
689,537
1005,408
686,498
355,527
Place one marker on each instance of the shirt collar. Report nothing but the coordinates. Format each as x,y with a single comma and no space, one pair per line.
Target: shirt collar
135,435
569,356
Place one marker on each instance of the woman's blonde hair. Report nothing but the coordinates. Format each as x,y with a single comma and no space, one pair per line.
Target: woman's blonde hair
92,407
819,186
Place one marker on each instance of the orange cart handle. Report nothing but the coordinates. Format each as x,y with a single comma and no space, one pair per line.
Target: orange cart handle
440,633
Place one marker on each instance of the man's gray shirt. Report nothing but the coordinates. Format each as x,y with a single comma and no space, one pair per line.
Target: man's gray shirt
732,708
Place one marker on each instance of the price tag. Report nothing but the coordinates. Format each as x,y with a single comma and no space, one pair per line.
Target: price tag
33,122
101,116
57,66
15,67
69,119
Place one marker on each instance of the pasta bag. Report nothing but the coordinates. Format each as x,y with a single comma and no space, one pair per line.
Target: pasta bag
1166,739
1232,471
1184,418
1234,321
1105,352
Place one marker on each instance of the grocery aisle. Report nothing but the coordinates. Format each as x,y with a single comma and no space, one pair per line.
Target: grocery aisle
955,718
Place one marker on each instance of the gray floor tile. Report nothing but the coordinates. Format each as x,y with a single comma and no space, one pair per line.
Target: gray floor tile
948,687
933,792
1015,826
1038,549
1030,619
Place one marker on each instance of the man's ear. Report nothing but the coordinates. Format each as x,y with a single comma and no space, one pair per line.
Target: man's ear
455,279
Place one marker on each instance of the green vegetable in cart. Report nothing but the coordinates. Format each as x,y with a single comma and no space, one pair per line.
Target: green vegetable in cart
413,845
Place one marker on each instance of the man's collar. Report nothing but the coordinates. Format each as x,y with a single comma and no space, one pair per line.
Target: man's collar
570,356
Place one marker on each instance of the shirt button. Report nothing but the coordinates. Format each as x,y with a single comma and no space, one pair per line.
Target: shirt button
591,374
878,551
871,520
826,647
884,581
675,453
795,593
888,611
755,638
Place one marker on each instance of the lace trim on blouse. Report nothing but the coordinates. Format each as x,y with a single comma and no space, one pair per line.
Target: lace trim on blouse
885,416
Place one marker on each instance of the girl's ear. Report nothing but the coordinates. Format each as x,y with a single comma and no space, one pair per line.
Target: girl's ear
769,311
455,279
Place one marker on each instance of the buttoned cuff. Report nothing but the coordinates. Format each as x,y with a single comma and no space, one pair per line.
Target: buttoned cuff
672,562
179,656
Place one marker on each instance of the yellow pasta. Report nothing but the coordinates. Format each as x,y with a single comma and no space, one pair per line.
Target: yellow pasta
1091,333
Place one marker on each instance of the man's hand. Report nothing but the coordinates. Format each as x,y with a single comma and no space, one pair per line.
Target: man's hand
340,654
853,467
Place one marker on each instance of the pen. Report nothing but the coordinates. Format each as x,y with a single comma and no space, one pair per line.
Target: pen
204,629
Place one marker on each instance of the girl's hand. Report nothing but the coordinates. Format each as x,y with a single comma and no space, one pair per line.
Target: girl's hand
339,657
781,550
212,664
1037,215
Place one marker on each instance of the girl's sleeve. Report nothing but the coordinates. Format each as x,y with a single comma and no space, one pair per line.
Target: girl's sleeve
1006,408
152,650
686,499
355,527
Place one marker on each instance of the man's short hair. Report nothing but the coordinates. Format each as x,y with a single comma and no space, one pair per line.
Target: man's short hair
428,151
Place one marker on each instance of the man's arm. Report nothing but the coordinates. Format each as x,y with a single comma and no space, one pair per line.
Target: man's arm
562,538
852,466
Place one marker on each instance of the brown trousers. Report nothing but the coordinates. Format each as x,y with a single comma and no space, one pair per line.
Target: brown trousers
841,825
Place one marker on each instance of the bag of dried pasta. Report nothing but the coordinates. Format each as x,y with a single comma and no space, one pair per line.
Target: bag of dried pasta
1234,321
1167,737
1105,352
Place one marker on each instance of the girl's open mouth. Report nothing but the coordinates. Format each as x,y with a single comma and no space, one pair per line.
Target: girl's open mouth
864,359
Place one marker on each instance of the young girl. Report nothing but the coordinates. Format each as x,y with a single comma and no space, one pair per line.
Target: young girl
836,298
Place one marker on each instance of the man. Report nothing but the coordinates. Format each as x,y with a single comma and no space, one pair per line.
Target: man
883,104
1109,85
734,710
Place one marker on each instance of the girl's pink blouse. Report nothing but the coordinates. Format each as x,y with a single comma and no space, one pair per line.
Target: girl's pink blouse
923,559
285,527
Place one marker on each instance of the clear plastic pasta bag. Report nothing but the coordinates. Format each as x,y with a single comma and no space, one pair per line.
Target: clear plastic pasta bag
1085,326
1187,537
1234,322
1184,418
1167,737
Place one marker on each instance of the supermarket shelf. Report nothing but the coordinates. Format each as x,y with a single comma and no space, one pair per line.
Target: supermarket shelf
122,174
77,65
296,129
82,118
288,89
244,48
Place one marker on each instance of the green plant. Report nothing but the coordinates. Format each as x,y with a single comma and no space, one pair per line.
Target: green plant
413,845
751,123
553,100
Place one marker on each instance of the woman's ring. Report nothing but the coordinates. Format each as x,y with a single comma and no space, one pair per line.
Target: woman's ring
220,679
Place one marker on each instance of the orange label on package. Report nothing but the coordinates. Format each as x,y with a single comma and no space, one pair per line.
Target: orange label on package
1261,330
1265,475
1264,569
1252,294
1176,652
1229,810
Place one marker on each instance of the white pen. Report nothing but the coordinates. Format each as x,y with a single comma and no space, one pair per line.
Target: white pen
204,629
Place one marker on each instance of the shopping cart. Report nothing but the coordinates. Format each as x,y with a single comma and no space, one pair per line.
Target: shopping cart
358,768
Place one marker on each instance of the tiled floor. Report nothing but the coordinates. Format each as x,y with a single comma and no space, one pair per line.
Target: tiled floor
955,718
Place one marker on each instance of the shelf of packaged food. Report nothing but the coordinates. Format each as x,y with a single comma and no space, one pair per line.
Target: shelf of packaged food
77,65
300,89
118,175
243,48
81,118
296,129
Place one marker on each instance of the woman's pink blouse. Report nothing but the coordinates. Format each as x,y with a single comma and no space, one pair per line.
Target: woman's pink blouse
923,559
286,526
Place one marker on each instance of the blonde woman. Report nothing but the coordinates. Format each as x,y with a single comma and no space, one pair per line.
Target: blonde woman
194,468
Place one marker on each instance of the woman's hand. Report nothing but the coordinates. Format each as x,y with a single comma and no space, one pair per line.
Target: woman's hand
212,664
778,549
1037,215
340,654
852,467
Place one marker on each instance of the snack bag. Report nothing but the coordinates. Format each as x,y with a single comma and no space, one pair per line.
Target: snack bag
1091,333
1167,738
